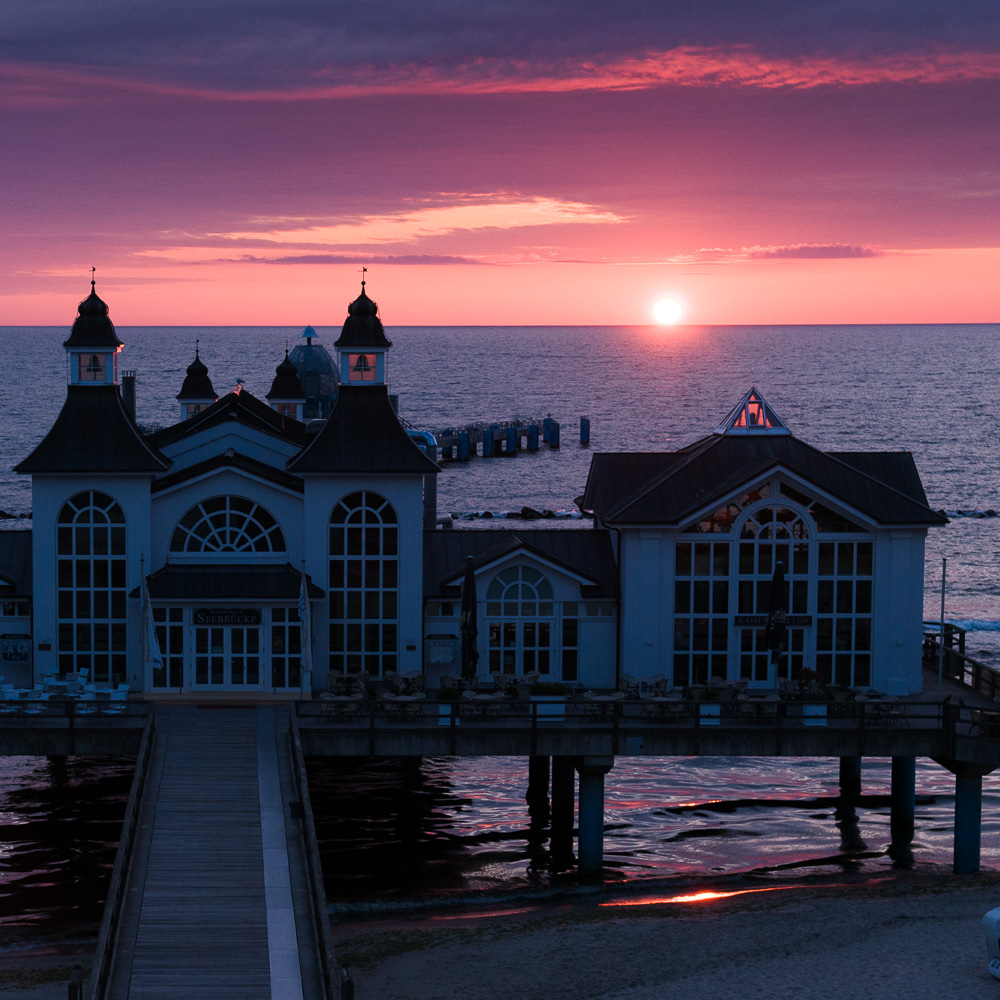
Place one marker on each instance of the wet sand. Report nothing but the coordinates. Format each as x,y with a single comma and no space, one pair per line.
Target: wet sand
910,938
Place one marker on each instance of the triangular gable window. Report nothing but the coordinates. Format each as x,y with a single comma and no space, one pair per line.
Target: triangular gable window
752,415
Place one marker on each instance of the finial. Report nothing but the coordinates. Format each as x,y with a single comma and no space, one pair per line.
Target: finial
93,282
197,348
364,271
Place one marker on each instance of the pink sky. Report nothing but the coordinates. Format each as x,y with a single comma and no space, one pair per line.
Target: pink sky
803,166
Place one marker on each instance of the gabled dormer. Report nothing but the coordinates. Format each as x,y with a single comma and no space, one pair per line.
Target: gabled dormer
93,346
752,415
362,345
197,392
286,396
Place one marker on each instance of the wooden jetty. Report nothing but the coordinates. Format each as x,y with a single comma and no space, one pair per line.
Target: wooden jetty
503,439
216,890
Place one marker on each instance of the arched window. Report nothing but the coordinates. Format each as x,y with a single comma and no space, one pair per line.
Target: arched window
227,524
519,612
91,587
364,582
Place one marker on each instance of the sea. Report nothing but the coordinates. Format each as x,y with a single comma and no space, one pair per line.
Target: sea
404,836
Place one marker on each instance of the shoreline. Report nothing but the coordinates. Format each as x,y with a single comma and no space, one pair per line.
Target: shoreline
918,935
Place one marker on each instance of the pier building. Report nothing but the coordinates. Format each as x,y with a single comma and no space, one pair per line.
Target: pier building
257,546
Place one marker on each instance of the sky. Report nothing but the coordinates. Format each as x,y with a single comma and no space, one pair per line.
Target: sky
501,162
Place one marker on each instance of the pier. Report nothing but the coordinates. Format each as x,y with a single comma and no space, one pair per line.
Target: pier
503,439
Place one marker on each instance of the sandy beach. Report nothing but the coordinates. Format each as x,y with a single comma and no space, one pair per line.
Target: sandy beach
903,937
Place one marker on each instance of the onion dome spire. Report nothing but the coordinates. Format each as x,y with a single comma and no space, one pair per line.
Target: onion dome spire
286,384
197,384
93,326
363,328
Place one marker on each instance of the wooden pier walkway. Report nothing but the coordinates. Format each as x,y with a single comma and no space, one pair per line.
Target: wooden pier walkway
217,900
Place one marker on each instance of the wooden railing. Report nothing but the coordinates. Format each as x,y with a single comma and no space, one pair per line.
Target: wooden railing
332,977
106,939
974,674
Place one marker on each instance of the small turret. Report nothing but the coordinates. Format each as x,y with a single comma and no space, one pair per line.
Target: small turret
318,374
362,344
93,346
197,392
286,396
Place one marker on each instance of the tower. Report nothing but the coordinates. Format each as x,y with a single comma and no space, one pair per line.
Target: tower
286,395
362,344
197,392
93,346
318,374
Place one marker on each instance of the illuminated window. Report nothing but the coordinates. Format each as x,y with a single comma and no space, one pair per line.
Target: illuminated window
93,367
363,367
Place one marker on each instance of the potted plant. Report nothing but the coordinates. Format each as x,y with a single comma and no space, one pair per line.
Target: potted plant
548,701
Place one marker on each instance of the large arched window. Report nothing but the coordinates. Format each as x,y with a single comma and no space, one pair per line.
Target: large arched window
364,582
91,587
227,524
519,612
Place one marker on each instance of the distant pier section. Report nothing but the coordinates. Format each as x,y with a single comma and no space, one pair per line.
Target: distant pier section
503,439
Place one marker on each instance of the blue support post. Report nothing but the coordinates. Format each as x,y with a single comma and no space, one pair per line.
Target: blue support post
584,430
446,452
563,800
968,818
532,437
554,434
591,837
511,441
463,446
487,442
546,429
904,799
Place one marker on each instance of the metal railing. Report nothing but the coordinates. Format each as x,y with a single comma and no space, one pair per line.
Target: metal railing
314,870
106,939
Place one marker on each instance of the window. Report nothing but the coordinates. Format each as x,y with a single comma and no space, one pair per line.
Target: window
363,367
169,623
364,585
286,648
93,367
227,524
519,600
16,609
844,613
701,612
91,587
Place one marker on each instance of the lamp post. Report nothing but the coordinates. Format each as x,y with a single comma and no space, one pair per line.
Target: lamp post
944,577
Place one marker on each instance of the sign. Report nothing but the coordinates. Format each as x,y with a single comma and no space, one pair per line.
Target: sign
760,621
227,616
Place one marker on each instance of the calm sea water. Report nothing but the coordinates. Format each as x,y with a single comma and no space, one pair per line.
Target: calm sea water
395,836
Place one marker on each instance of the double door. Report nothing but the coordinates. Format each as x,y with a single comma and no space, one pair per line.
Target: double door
227,656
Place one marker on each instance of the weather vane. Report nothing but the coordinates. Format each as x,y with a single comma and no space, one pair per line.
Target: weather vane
93,271
364,271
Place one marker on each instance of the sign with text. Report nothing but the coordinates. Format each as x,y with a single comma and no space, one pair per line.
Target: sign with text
227,616
760,621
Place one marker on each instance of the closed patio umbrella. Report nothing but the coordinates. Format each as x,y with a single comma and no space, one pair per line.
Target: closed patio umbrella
777,609
470,629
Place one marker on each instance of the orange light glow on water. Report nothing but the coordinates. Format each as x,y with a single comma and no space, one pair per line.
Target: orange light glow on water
706,896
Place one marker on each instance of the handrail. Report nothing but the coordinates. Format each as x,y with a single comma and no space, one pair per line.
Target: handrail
314,868
973,673
106,939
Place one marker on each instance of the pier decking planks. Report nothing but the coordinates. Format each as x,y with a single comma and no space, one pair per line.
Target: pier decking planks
202,924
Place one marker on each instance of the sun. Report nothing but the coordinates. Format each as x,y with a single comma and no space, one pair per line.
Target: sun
667,312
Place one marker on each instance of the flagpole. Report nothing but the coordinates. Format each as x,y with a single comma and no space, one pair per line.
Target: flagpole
944,577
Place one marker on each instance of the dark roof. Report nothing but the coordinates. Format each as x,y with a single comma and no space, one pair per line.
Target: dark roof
94,432
362,328
93,327
227,582
15,562
197,384
587,553
883,485
286,384
614,476
230,459
242,407
362,434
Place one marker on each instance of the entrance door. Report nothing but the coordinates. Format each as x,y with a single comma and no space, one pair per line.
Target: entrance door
227,656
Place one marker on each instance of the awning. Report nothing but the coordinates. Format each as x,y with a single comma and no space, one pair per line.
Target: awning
228,582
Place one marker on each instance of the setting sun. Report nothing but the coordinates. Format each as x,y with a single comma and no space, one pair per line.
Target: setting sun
666,312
